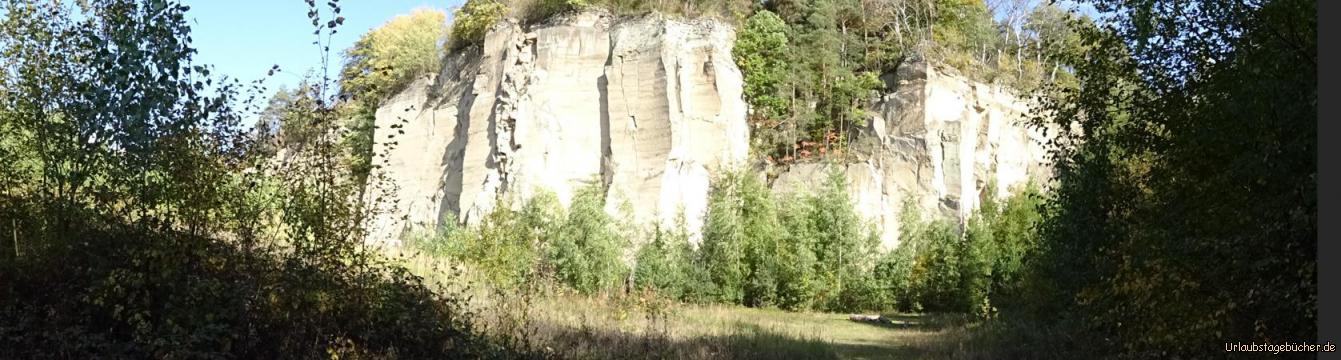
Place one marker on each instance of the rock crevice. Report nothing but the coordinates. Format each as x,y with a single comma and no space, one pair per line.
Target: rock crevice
651,108
633,104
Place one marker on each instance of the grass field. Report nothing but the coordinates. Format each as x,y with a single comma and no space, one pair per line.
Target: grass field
641,326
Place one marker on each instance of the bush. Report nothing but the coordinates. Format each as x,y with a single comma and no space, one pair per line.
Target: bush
507,246
580,247
797,252
939,267
667,265
150,294
473,20
585,251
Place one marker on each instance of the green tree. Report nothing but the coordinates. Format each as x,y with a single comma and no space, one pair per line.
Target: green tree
666,264
761,52
473,20
842,247
151,228
796,264
585,253
724,239
1186,190
380,64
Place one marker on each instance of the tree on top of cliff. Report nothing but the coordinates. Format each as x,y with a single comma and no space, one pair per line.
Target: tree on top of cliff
762,52
473,20
390,56
381,63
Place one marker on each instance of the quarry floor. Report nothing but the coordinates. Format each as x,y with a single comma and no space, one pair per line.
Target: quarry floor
641,326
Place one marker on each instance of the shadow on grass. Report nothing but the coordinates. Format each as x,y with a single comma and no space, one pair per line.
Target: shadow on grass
918,322
745,342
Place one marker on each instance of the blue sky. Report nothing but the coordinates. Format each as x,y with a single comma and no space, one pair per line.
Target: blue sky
242,39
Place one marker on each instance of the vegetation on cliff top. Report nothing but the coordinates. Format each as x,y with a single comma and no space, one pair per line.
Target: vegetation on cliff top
812,66
145,221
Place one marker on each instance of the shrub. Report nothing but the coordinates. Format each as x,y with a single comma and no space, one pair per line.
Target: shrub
473,20
667,264
140,294
585,251
939,267
506,246
724,242
543,9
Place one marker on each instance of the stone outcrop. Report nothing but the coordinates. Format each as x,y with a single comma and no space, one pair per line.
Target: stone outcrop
937,140
649,106
653,108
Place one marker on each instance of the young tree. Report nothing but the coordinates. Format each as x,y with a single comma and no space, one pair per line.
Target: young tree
1186,194
381,63
585,253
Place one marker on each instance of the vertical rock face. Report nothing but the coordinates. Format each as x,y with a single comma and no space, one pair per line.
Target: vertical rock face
648,106
936,141
652,108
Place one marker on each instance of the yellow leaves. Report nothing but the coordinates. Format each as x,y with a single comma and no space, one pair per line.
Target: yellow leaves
473,20
390,56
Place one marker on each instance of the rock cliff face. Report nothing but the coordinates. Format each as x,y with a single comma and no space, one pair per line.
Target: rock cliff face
937,141
653,107
649,106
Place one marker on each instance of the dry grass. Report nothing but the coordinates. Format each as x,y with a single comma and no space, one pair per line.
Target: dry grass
642,326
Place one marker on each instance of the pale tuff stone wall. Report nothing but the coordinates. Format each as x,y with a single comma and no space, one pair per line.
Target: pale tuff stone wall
937,140
653,107
650,106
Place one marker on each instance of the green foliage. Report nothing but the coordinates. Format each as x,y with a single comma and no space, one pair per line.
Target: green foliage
543,9
506,246
963,25
796,264
146,223
585,252
473,20
761,53
843,250
667,265
939,267
1057,34
381,63
1186,191
797,252
723,247
580,247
